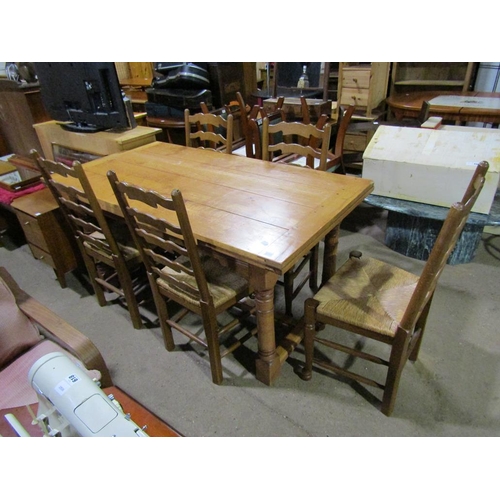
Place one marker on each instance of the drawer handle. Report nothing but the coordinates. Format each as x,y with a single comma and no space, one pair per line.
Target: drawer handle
27,223
41,257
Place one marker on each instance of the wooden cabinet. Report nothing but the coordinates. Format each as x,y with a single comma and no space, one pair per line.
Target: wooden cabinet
20,107
53,137
363,85
42,223
421,76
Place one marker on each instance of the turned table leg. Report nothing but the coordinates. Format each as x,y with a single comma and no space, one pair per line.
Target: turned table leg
268,363
330,254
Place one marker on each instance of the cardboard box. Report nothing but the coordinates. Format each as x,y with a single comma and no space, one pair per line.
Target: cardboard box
432,166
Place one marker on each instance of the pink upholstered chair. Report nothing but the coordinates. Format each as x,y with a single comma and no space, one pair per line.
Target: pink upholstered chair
28,331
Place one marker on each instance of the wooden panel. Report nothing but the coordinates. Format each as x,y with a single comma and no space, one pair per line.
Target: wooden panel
355,142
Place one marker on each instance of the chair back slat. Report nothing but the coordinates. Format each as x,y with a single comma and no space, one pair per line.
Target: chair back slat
297,139
211,131
444,245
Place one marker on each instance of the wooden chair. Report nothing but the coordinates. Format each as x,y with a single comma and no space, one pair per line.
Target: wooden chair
254,115
113,264
385,303
211,131
335,160
179,272
297,154
291,149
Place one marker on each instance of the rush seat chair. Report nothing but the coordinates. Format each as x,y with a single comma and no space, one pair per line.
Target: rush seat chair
179,272
373,299
113,264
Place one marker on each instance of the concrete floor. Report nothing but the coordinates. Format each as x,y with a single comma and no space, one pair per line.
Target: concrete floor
452,390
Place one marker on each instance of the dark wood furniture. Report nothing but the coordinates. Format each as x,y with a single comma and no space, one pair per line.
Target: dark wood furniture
22,107
178,272
409,105
258,217
293,109
112,262
252,134
384,303
46,232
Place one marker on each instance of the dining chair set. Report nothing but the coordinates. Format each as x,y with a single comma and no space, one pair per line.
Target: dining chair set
366,297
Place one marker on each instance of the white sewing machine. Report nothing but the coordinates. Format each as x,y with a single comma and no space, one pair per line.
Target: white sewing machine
71,404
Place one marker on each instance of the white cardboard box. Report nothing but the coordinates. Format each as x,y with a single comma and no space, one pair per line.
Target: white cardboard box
432,166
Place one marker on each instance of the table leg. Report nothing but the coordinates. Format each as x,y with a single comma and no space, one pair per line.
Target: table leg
330,254
268,363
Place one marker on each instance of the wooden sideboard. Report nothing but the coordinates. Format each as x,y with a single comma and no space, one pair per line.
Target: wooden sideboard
89,146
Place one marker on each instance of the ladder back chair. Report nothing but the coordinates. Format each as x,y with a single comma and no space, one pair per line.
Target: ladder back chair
255,115
297,154
373,299
179,272
295,144
335,160
113,264
211,131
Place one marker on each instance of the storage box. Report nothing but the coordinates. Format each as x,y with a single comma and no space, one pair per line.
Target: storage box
432,166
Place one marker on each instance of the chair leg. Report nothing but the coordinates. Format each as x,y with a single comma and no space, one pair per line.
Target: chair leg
420,325
313,269
288,282
162,311
309,333
128,292
211,333
93,274
397,362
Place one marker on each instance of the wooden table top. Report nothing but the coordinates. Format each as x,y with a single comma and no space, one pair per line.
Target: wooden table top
265,214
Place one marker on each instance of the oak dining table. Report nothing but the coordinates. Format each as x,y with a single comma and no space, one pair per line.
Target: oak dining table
257,217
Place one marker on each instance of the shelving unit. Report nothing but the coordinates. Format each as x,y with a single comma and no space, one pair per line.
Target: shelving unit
409,77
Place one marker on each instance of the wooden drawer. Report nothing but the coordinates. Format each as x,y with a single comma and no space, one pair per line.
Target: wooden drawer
355,97
355,142
42,256
32,230
357,78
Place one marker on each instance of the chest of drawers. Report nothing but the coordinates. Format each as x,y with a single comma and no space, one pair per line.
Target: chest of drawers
43,226
363,85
